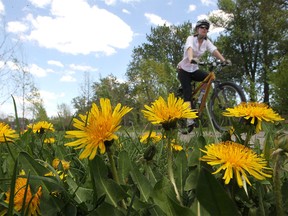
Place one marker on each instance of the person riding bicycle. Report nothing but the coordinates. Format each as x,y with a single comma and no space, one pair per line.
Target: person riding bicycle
195,47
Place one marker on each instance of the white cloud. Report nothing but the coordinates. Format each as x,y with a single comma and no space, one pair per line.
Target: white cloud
40,3
191,8
50,99
202,16
68,77
75,27
56,63
37,71
12,66
125,11
16,27
129,1
208,2
84,68
110,2
156,20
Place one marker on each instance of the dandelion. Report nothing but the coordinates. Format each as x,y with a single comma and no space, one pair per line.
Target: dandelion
153,136
50,140
60,173
41,127
176,147
235,159
65,164
254,112
167,113
32,202
6,133
96,128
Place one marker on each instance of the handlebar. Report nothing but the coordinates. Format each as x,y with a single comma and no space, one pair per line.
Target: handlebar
212,64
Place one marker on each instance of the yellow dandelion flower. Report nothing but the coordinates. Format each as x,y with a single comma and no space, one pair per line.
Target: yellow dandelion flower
65,164
165,113
32,202
60,173
6,133
50,140
41,127
235,159
98,126
254,112
153,136
176,147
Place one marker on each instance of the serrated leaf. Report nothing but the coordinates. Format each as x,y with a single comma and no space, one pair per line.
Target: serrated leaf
142,183
164,196
104,185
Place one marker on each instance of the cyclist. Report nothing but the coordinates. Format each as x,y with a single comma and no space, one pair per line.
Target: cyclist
196,45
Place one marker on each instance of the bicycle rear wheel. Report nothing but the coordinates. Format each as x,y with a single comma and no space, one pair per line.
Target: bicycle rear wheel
226,95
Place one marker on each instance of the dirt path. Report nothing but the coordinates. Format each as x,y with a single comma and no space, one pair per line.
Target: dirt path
258,138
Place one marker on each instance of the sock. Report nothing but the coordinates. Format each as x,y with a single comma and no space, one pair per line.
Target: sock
190,122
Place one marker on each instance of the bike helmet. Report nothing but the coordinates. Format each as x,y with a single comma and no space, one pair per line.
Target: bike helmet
203,22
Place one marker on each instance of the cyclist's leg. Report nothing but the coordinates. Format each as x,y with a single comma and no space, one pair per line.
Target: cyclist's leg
199,76
185,79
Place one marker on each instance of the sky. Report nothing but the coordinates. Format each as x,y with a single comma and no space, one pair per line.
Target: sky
61,40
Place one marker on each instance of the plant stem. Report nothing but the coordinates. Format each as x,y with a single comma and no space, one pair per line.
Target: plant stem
277,185
170,167
113,166
114,172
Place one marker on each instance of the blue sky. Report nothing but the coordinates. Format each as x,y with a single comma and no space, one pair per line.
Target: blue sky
59,40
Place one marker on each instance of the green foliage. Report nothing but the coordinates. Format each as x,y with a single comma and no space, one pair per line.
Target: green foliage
143,186
252,42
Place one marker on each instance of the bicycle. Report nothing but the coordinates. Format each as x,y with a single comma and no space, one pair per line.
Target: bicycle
224,95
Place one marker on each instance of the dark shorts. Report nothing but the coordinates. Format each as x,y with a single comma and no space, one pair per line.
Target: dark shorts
186,79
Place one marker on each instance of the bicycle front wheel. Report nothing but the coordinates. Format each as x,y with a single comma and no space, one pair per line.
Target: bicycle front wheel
226,95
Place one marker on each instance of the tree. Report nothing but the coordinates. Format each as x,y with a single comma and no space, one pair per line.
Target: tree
63,122
83,102
37,107
279,80
251,41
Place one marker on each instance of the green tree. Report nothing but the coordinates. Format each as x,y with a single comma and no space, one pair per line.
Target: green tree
36,105
279,80
252,39
83,102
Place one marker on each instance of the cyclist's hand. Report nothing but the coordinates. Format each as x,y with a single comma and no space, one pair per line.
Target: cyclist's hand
195,61
227,62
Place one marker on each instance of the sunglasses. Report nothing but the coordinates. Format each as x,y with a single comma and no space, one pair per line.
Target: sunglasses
203,27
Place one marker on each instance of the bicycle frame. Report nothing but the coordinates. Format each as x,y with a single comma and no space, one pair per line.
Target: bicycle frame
206,85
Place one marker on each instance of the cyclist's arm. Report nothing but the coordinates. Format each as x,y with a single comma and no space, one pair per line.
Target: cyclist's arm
218,55
190,53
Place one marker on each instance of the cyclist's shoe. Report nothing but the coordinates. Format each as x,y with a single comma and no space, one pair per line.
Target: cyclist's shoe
189,128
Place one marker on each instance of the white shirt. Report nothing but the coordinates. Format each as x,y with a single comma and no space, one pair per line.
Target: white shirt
198,51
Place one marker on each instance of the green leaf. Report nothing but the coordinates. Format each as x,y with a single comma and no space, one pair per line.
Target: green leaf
164,196
181,170
104,185
124,166
142,183
192,180
213,197
81,194
106,209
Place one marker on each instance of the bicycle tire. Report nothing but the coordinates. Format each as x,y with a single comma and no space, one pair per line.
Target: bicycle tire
225,95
